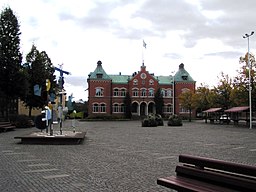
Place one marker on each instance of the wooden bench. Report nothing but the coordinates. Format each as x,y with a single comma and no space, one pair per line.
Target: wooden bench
6,126
210,175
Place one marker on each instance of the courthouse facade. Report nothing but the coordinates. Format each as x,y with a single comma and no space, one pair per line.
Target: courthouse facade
106,92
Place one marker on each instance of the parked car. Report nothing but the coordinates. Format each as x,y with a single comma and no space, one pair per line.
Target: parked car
224,119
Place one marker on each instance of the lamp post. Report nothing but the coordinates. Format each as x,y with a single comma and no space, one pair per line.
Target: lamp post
246,36
173,93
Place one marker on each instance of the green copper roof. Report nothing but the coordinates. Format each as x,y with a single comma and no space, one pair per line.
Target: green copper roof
99,71
166,80
119,78
182,75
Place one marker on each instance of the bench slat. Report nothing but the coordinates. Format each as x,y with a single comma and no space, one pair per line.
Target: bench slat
189,185
207,175
237,182
218,164
4,126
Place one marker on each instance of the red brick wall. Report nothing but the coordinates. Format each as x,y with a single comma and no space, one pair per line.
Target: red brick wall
108,87
178,90
106,98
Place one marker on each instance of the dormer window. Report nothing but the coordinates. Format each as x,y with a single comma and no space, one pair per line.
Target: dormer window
184,77
99,76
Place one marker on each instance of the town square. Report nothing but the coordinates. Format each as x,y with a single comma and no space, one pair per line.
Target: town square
117,156
114,95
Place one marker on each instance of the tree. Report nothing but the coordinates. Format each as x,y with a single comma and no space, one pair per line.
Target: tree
241,82
12,79
201,98
223,92
128,105
159,102
187,101
39,68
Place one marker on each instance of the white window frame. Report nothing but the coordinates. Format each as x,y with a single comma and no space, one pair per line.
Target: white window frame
135,92
151,92
116,92
123,92
143,92
99,92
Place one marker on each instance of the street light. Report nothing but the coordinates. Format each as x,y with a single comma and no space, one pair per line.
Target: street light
249,65
173,93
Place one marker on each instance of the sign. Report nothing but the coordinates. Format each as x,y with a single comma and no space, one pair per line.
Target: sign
48,84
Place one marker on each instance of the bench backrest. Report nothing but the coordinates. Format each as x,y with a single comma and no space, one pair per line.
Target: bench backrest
202,162
235,176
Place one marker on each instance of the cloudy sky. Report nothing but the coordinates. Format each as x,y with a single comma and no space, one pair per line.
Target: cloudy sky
205,35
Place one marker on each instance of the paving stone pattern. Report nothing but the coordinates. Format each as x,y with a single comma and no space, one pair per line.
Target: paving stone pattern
116,156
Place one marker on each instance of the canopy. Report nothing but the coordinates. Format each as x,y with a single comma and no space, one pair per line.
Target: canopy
211,110
237,109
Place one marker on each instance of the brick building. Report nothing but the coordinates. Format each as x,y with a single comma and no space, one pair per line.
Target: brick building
106,92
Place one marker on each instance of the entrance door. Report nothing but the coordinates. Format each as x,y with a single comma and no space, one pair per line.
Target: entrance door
143,108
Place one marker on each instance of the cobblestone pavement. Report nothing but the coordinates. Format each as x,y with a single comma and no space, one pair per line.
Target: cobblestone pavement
116,156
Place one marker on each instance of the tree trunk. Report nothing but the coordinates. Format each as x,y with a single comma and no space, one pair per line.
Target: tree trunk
190,114
29,111
7,108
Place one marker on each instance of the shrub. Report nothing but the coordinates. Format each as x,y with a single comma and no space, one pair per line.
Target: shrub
174,120
79,115
149,121
21,121
159,120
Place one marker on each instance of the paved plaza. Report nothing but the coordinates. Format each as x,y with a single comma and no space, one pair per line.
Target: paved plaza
117,156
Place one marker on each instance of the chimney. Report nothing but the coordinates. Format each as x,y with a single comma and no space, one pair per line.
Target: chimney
181,66
99,63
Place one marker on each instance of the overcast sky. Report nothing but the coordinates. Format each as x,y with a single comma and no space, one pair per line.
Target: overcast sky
205,35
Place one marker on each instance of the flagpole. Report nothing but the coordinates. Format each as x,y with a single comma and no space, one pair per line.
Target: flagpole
142,55
143,47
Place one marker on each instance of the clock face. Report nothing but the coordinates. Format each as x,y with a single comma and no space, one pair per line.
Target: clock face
143,76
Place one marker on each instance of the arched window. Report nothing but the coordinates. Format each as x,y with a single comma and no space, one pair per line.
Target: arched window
123,92
95,108
151,92
99,91
115,108
151,82
103,108
115,92
184,90
163,92
135,92
143,92
122,108
169,93
135,82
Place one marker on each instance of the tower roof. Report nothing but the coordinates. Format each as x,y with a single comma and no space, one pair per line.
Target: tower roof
99,72
182,75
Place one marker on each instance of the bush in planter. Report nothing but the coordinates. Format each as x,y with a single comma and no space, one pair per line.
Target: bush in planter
159,120
174,120
149,121
21,121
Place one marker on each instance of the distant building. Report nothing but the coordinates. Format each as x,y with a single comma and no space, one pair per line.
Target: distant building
106,92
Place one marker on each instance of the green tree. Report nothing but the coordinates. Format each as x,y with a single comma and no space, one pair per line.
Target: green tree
159,102
241,82
39,68
12,79
201,98
128,105
223,92
186,99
